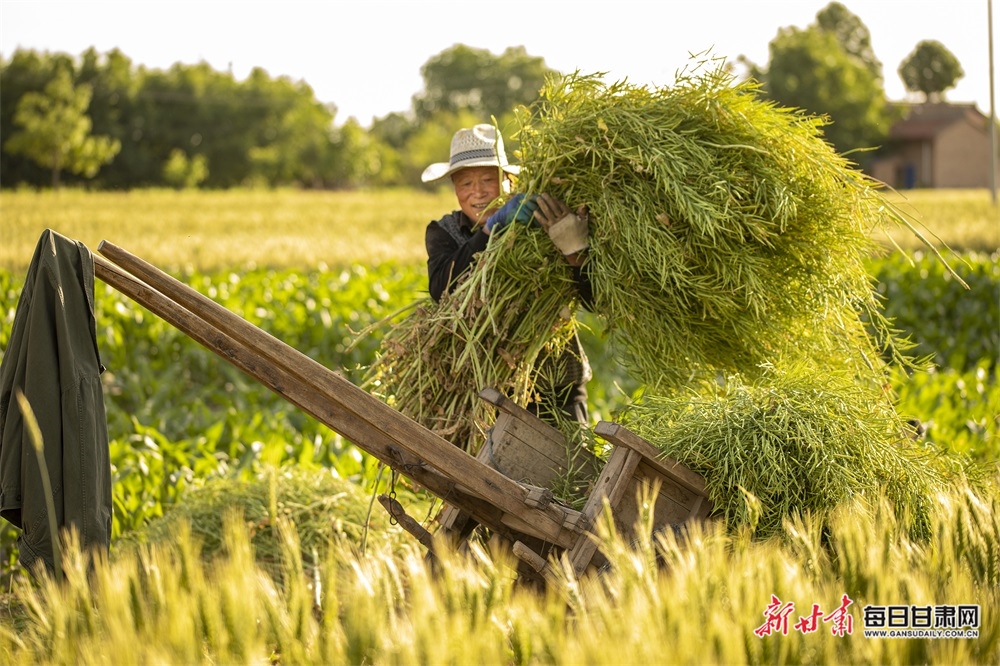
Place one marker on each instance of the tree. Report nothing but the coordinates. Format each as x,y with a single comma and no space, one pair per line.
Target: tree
930,69
293,135
26,71
358,158
55,130
829,69
185,173
114,82
465,78
852,35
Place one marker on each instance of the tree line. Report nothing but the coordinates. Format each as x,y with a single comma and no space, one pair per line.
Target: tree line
101,121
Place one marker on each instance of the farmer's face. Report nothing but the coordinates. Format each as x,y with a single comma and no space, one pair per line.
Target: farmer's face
475,188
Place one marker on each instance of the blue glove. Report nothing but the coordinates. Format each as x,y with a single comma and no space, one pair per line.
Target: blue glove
518,209
525,213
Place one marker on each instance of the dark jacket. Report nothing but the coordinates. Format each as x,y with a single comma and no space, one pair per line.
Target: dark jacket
451,244
52,357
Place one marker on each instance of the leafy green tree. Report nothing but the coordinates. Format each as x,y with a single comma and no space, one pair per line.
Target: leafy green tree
183,172
463,86
200,111
391,133
467,78
56,131
358,158
851,33
394,129
26,71
930,69
828,69
261,131
293,129
115,82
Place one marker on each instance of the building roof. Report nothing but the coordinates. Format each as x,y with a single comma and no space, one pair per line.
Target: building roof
925,121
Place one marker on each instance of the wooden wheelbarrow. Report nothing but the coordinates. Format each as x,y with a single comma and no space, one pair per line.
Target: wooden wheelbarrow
503,489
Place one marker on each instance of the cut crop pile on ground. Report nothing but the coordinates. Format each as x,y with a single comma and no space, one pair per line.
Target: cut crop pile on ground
320,506
792,444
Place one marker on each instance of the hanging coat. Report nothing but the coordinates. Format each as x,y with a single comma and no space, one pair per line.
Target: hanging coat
52,357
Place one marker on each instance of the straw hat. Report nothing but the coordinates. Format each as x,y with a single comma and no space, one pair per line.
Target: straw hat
480,146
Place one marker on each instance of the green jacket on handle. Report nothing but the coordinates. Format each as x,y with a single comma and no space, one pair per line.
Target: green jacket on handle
53,358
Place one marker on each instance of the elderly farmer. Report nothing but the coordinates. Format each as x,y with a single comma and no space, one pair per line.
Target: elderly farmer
479,172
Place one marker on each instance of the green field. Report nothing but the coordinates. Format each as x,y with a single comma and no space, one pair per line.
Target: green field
229,229
290,228
295,578
965,220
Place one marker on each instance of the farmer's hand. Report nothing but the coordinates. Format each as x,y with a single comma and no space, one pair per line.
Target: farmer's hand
518,209
568,230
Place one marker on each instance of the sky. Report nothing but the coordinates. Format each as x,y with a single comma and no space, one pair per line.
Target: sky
364,56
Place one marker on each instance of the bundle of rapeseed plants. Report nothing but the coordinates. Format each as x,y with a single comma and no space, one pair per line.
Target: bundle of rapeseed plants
323,508
728,250
725,231
794,442
728,243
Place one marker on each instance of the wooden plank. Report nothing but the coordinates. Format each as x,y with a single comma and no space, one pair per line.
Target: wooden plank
521,460
680,495
452,520
698,509
557,454
451,517
540,497
618,434
408,523
531,558
505,404
346,398
666,509
508,429
610,485
673,505
568,518
526,449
